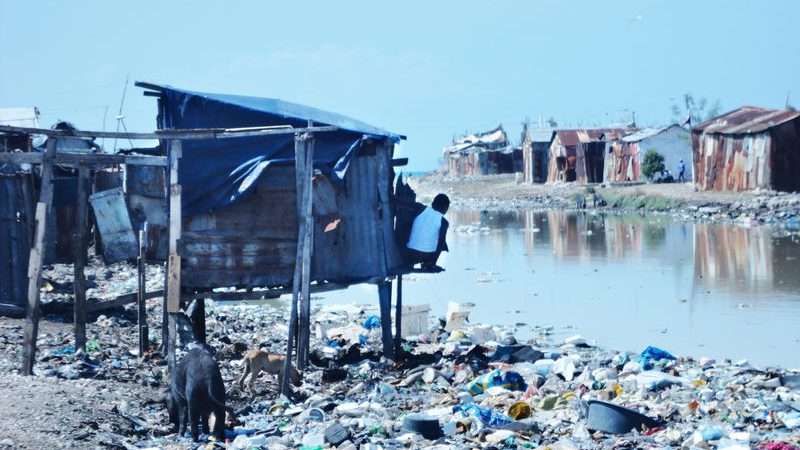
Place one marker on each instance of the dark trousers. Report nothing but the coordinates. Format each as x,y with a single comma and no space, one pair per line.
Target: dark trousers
427,259
680,177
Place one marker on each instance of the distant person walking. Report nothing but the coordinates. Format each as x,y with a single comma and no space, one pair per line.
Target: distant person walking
427,239
681,171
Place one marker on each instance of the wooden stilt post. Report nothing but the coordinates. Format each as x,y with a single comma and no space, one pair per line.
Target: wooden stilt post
308,246
144,330
173,288
385,300
303,167
79,245
398,315
35,261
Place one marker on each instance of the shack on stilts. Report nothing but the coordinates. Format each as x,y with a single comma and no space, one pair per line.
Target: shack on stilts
261,198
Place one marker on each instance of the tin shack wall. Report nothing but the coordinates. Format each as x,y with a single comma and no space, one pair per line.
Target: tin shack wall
740,162
17,212
253,242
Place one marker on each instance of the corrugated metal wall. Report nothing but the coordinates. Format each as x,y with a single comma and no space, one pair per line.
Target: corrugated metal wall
17,205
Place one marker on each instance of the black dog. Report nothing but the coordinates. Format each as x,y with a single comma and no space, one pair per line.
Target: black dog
195,392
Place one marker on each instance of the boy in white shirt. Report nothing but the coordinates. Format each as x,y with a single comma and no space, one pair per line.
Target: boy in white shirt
427,239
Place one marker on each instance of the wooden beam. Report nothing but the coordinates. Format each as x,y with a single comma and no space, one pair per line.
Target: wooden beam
188,134
398,162
268,293
97,159
35,261
79,246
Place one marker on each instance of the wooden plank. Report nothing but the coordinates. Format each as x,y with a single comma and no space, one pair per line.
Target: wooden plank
144,331
80,243
35,261
121,300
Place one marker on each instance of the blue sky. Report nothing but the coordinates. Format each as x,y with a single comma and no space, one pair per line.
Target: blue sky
430,70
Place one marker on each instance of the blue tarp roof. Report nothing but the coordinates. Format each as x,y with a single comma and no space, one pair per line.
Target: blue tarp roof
217,172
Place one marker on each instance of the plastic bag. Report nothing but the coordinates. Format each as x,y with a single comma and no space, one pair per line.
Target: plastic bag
508,380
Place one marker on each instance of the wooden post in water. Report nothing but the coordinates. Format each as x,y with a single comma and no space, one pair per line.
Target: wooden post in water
144,330
35,260
398,314
79,243
172,291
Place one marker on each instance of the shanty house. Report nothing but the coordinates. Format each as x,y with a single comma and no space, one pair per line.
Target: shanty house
535,153
480,154
625,155
239,202
748,148
578,155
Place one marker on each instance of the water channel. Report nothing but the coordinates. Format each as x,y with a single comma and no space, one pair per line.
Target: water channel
623,281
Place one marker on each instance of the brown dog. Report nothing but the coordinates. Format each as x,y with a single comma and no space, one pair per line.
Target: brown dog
257,360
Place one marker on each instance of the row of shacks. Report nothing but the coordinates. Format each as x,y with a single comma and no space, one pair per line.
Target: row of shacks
244,198
743,149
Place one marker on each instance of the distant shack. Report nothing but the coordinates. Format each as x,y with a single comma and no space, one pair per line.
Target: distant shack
748,148
535,152
578,155
625,155
486,153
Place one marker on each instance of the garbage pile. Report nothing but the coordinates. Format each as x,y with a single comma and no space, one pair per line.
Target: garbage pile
466,385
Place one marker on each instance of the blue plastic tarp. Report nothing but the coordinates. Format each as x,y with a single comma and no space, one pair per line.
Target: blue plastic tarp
217,172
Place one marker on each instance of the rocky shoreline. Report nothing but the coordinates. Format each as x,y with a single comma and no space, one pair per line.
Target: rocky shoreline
504,192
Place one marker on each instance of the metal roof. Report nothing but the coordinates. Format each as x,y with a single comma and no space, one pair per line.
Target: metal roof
575,137
282,108
648,133
746,120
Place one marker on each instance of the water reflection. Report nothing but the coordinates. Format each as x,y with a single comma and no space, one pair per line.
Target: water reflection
723,255
627,281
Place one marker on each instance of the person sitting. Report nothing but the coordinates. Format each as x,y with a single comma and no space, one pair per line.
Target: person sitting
427,239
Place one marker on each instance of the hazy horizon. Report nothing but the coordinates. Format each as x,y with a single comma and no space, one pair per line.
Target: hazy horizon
430,71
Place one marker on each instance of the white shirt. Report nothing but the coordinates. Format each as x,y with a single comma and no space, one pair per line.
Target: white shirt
425,231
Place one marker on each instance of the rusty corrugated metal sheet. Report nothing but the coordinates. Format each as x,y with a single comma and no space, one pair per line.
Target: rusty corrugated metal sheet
746,120
728,155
